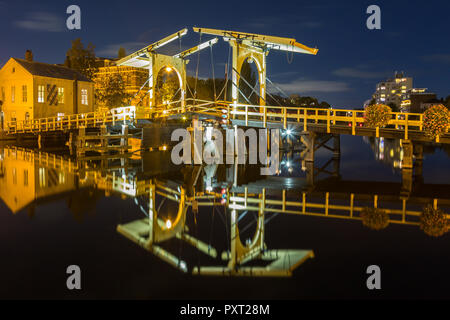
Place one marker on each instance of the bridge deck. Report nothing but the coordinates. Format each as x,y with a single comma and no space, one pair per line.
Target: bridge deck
338,121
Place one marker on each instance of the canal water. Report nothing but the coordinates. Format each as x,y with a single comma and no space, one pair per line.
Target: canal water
57,211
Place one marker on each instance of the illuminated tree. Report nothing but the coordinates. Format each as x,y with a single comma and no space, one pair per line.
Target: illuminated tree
81,59
167,87
436,121
111,92
377,115
374,218
433,221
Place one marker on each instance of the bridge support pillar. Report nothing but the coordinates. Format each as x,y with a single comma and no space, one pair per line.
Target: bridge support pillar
407,182
309,173
308,139
124,139
81,141
407,161
71,143
336,146
418,163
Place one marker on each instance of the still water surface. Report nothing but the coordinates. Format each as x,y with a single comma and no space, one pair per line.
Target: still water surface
55,214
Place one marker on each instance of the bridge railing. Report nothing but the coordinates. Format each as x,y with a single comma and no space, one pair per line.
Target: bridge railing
328,209
74,121
328,117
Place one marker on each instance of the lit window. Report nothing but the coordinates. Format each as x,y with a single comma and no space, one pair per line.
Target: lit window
13,94
84,97
14,174
24,94
62,178
60,95
41,94
42,180
25,178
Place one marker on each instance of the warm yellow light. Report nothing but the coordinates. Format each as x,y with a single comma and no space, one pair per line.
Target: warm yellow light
168,224
164,148
168,69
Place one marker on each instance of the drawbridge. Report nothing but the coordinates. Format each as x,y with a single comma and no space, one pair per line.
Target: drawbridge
245,47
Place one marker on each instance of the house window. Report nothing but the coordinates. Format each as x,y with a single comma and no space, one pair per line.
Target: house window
13,116
24,93
84,97
27,116
13,94
25,178
42,178
60,95
14,174
41,94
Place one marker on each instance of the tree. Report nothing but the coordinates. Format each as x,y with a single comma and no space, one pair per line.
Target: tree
167,86
250,76
122,53
394,107
447,102
82,59
111,92
324,105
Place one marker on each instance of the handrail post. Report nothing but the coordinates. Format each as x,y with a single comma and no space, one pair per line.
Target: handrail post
305,120
353,122
246,115
406,127
265,116
328,121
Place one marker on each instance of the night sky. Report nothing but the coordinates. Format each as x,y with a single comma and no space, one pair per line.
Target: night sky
414,38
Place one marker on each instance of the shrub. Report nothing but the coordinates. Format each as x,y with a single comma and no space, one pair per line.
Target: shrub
433,221
377,115
435,121
374,218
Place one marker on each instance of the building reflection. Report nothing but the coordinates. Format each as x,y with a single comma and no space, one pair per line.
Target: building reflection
174,200
388,151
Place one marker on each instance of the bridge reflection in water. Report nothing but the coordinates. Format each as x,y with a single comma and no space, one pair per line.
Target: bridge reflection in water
174,199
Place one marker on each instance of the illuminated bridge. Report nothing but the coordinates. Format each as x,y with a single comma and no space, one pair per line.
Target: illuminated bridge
101,131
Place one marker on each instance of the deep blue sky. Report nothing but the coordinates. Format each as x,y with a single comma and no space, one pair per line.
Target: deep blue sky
351,59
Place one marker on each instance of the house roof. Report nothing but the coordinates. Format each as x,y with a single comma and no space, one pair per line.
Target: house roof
51,70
